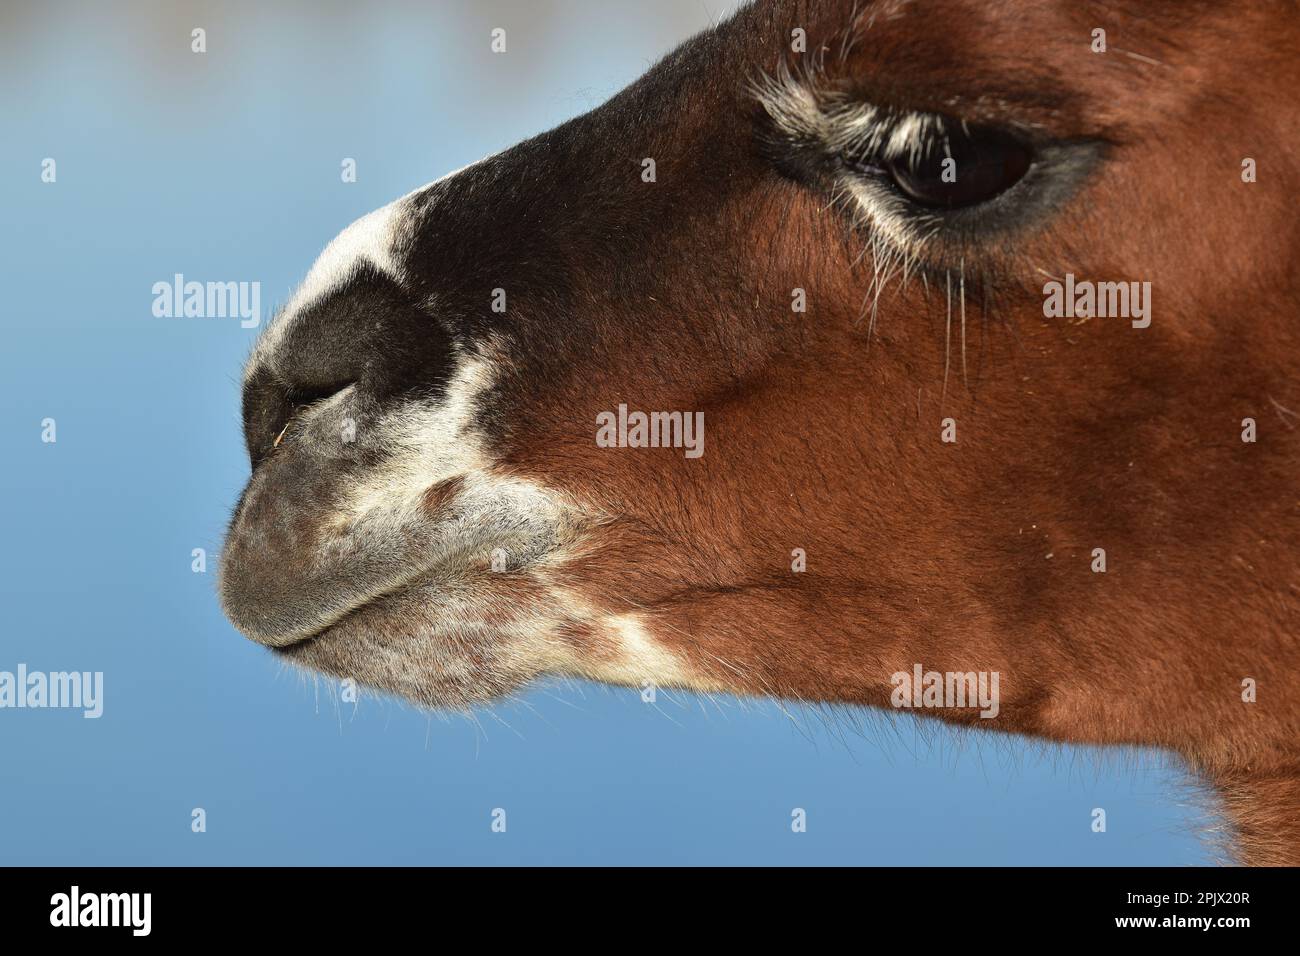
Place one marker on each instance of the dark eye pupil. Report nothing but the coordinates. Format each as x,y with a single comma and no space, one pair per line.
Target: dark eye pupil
984,163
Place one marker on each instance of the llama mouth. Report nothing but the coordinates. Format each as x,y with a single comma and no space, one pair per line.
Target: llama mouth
362,505
450,638
327,604
409,582
451,570
320,630
305,554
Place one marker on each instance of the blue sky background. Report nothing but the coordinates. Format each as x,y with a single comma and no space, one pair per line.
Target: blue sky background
225,166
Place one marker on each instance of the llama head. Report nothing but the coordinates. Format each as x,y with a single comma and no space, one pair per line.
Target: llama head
744,382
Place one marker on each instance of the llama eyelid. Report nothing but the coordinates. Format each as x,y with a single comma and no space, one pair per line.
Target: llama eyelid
945,163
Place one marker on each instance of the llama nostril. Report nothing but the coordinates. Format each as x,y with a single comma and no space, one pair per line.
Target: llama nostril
270,406
302,396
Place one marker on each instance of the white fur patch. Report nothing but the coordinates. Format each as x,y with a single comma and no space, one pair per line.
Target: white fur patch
370,238
373,238
626,654
642,659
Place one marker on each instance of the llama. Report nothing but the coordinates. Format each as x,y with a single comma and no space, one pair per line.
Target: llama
828,229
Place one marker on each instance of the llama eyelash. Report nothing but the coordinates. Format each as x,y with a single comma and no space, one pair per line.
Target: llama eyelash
837,130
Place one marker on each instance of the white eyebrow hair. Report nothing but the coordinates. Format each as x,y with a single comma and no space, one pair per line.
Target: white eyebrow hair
809,114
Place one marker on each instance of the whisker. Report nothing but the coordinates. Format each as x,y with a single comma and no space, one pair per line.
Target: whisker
964,382
947,340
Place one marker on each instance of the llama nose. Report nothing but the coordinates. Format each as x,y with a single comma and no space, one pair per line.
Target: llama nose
270,405
365,329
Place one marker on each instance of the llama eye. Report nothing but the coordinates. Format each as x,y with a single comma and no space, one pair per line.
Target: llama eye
963,166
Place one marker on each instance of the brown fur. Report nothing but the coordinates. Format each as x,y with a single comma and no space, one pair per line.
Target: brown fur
1070,437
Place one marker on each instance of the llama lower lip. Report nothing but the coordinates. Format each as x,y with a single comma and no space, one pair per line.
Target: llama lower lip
308,637
285,650
451,639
